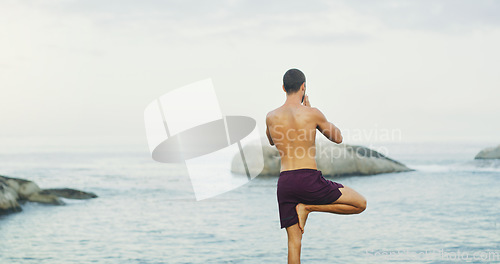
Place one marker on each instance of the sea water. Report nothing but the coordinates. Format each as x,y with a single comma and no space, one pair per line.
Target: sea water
446,211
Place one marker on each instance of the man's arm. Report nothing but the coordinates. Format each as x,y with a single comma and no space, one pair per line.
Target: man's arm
267,131
326,128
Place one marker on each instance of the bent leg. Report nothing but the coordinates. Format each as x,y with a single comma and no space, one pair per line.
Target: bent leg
294,243
350,202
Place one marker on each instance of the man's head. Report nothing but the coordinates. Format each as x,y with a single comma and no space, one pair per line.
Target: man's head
293,80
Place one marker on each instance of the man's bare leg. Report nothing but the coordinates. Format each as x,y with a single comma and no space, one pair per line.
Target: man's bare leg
350,202
294,243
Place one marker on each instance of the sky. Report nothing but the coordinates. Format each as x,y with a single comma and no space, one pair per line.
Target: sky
420,70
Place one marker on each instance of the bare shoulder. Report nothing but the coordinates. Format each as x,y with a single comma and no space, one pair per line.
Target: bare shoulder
317,115
272,113
315,111
270,116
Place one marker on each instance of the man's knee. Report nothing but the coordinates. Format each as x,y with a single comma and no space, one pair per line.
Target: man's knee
294,243
362,205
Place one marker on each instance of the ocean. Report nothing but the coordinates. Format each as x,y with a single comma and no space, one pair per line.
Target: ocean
446,211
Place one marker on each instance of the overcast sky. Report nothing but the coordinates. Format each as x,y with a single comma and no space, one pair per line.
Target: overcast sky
429,69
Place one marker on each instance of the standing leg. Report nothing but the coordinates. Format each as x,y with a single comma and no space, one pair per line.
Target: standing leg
350,202
294,243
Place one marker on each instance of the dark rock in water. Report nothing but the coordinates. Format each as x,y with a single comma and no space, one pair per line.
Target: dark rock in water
489,153
69,193
14,190
8,199
39,197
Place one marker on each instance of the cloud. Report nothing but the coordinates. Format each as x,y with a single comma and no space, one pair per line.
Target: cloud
226,15
103,60
327,38
451,16
309,22
313,22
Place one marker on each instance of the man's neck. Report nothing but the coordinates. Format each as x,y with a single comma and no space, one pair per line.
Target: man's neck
294,99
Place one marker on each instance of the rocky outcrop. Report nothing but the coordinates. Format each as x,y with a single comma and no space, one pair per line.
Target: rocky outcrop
14,191
332,159
489,153
8,199
69,193
343,160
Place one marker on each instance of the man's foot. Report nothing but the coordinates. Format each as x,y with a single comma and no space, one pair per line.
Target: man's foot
302,212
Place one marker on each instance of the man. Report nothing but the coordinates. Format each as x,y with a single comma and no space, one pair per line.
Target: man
301,188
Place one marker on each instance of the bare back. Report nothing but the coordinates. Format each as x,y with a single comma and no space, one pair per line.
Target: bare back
294,134
292,129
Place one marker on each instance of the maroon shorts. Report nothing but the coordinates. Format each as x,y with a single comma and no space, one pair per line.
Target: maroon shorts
306,186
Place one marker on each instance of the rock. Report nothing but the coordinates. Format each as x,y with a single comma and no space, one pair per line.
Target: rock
271,160
8,199
45,198
489,153
28,189
69,193
24,188
14,190
332,159
343,160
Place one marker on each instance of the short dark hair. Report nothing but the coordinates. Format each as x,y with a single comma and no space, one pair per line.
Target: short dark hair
292,80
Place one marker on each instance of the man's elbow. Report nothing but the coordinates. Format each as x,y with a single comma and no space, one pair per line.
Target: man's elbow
270,141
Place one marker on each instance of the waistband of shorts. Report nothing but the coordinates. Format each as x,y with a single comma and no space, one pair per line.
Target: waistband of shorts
289,172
